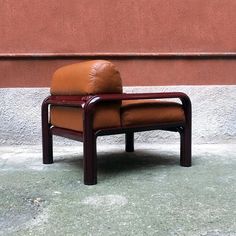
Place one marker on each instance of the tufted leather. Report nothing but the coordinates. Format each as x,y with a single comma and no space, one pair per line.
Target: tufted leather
91,77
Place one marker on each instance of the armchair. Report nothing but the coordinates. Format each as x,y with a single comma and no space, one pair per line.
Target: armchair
87,101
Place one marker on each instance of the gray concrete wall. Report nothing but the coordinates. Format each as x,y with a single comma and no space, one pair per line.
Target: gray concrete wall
214,115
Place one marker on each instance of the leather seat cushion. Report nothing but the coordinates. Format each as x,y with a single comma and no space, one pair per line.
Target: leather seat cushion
144,112
106,116
90,77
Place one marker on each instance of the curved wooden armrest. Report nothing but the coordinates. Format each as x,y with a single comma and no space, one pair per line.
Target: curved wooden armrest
136,96
88,102
72,101
92,100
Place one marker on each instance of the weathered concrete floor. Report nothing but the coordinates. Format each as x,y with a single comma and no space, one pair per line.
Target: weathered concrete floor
144,193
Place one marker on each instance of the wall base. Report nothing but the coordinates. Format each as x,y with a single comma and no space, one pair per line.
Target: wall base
214,116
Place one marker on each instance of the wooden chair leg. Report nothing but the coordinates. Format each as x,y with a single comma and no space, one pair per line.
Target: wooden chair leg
46,136
90,159
185,147
129,142
47,147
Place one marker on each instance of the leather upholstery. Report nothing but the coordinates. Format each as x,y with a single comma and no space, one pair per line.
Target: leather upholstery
109,115
101,77
90,77
85,78
144,112
106,116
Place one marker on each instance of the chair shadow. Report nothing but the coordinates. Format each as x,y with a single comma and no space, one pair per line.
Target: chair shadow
121,162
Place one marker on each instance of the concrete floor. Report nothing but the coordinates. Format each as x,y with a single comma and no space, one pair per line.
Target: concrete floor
144,193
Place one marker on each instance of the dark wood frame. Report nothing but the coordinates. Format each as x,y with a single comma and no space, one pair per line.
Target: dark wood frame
89,136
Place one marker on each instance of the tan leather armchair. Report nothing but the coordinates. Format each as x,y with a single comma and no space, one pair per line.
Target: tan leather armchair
87,101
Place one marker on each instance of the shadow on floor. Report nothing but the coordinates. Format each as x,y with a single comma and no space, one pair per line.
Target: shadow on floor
123,162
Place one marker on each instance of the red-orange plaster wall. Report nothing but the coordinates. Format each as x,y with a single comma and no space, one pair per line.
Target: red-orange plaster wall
110,26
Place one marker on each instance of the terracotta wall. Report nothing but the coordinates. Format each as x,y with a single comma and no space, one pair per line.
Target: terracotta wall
30,27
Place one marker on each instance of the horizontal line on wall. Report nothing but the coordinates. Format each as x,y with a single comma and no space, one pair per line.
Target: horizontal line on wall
172,55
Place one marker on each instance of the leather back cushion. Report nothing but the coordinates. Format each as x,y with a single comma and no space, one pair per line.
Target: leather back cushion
90,77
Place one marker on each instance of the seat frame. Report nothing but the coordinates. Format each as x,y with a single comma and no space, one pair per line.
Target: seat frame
89,135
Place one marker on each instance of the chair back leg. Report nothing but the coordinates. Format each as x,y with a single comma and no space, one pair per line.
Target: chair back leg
129,142
185,147
46,136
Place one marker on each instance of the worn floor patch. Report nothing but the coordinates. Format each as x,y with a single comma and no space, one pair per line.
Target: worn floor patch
140,193
105,201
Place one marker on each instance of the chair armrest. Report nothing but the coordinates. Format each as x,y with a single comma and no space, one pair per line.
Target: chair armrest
92,100
70,101
88,103
86,100
136,96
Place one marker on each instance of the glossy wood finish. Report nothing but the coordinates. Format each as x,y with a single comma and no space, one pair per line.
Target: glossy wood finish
186,135
46,134
90,154
67,133
88,137
129,142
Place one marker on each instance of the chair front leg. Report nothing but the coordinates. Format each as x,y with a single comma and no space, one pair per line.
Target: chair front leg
90,158
90,150
46,135
186,134
129,142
